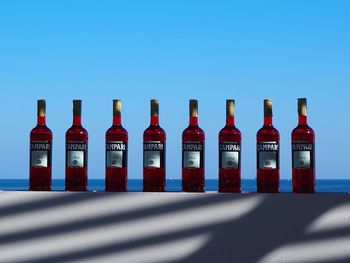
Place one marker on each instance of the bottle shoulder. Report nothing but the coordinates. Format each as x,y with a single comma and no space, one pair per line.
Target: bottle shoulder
268,133
154,129
154,133
303,129
193,130
230,130
117,133
268,129
303,133
77,130
193,133
117,129
230,134
41,132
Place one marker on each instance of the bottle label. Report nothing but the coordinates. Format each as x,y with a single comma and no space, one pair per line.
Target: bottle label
153,154
229,155
303,154
193,155
40,154
268,155
76,154
116,154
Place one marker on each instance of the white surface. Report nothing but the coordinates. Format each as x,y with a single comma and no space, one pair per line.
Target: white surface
173,227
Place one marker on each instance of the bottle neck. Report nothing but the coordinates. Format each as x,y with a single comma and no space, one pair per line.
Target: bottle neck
41,120
267,121
230,121
77,120
302,120
117,120
154,120
193,121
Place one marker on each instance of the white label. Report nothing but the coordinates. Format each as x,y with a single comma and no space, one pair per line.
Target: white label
39,158
115,151
192,159
151,159
268,160
303,154
229,159
268,155
75,159
152,154
302,159
229,154
115,159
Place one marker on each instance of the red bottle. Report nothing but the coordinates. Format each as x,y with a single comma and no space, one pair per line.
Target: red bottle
230,153
193,139
40,153
303,153
116,153
76,152
268,138
154,138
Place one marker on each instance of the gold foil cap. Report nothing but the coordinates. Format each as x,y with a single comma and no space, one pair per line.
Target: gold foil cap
117,107
77,107
302,106
41,108
268,108
230,108
193,108
154,107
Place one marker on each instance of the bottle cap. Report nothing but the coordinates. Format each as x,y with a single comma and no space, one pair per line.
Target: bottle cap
154,107
193,108
77,107
268,107
41,108
117,107
302,106
230,108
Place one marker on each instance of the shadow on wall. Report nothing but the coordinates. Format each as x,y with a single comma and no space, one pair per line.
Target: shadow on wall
174,227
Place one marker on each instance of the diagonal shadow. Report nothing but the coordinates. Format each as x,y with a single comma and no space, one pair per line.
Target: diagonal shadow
116,247
279,220
266,229
48,202
112,218
154,240
248,238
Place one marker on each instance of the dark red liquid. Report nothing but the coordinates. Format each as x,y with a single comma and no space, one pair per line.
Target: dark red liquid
154,178
40,178
76,177
193,178
268,180
116,177
303,179
230,178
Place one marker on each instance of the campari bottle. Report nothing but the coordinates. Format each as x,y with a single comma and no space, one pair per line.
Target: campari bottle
303,153
193,139
154,138
76,152
268,144
40,153
230,153
116,153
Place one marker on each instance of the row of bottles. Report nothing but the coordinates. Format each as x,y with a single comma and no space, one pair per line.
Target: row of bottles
154,150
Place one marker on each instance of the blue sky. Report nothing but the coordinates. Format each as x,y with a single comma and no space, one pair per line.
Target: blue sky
174,51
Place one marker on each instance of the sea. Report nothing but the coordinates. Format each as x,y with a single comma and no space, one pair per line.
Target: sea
174,185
